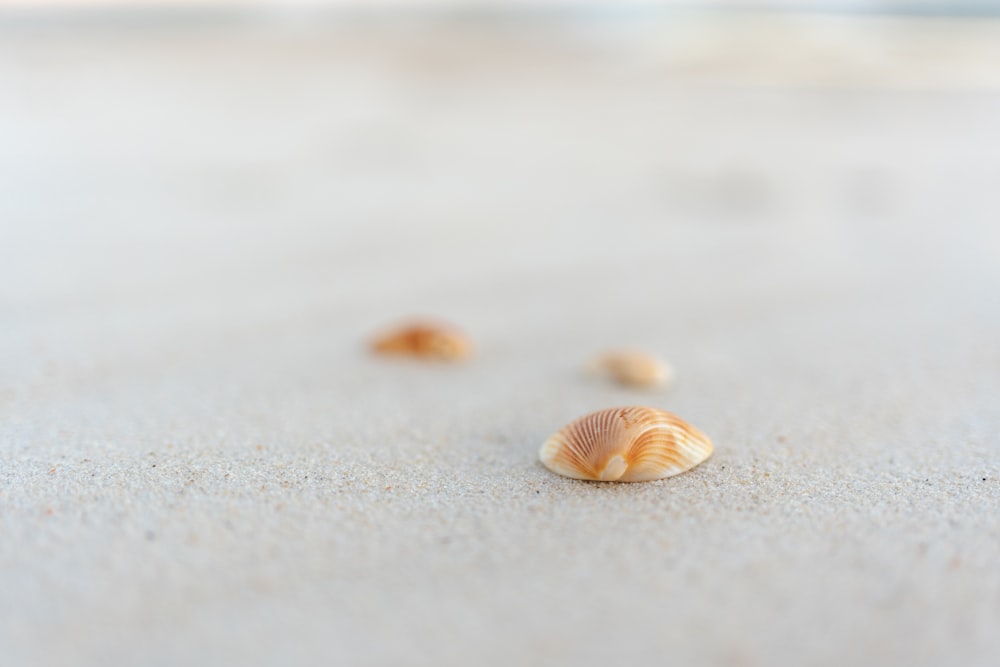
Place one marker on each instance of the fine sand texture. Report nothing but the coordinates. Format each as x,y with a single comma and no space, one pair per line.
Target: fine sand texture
203,221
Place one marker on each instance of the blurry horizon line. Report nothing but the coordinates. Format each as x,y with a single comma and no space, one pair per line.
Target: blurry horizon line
138,12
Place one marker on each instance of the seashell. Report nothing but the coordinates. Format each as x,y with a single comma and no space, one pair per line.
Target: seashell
632,367
633,444
424,339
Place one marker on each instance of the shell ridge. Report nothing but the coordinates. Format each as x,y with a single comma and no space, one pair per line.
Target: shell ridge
650,443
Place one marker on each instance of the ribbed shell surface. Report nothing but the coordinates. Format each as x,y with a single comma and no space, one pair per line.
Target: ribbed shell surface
631,444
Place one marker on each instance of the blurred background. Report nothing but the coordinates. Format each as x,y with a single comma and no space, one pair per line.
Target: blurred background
207,208
178,176
239,165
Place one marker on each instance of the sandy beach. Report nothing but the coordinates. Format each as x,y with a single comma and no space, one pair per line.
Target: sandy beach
203,222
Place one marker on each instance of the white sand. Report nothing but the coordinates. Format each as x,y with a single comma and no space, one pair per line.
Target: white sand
200,465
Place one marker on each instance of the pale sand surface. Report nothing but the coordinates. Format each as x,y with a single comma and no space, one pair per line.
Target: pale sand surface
199,463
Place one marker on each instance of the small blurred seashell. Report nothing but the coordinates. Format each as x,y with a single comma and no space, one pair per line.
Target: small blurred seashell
633,444
424,339
632,367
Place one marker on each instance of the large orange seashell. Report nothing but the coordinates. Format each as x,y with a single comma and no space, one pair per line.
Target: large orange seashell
633,444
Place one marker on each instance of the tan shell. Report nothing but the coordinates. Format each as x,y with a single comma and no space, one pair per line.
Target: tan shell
632,367
424,339
633,444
